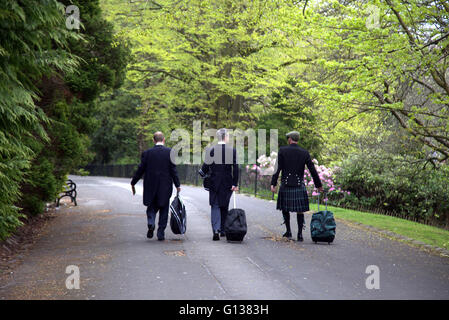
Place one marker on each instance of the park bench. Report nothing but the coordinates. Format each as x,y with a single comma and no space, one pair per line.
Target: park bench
69,191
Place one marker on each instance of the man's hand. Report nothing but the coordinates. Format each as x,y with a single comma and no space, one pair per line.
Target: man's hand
178,189
134,190
320,189
273,189
235,188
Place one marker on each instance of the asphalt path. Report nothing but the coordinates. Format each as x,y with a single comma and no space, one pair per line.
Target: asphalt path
105,238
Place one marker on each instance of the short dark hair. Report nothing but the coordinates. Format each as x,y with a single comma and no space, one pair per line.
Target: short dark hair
158,136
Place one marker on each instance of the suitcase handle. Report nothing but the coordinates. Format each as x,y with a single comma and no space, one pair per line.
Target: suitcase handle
318,200
234,198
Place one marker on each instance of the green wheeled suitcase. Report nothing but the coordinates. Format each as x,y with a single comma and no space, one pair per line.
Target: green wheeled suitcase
322,225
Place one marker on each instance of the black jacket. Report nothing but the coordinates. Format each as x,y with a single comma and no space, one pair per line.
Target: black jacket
159,174
292,160
223,171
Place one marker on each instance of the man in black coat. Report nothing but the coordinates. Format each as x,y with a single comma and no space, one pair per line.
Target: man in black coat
221,165
159,175
292,197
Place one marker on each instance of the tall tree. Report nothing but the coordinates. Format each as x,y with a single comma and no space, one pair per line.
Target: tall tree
378,57
209,60
33,43
69,100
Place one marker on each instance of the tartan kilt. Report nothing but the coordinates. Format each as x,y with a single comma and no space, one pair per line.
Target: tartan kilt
293,199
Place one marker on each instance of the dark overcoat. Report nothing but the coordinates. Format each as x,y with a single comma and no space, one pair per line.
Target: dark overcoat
159,173
221,164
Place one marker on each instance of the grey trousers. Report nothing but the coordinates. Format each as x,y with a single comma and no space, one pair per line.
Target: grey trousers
218,217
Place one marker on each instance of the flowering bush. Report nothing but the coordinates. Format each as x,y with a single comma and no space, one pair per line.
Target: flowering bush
327,177
266,165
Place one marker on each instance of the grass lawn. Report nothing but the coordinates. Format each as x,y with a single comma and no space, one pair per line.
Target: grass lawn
421,232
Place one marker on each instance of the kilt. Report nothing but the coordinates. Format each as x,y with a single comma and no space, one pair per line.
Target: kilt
293,199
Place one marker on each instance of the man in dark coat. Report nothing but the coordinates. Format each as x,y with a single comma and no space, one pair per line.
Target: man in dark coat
292,196
221,165
159,175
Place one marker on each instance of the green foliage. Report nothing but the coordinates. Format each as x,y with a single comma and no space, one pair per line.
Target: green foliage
27,29
217,61
82,172
223,61
361,96
53,160
115,140
47,98
104,56
290,111
70,103
33,193
359,72
395,185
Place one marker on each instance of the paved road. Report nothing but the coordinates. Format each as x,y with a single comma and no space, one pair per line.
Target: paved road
105,236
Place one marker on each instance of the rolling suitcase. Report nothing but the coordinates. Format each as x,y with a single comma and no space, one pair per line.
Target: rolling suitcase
235,224
322,225
178,219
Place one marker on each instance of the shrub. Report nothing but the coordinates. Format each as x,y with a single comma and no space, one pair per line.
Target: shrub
392,184
32,41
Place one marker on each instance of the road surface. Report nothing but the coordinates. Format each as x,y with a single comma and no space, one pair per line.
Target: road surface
105,237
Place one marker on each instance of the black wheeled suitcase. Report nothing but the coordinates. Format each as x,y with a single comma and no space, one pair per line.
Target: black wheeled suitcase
235,224
178,219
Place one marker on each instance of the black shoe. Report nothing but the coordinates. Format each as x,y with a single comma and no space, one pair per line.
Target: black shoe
300,238
150,232
222,234
287,235
160,234
216,237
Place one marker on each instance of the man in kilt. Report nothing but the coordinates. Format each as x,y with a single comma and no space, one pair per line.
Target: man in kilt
292,196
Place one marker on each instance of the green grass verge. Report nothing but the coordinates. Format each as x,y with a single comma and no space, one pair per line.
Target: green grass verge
414,230
262,193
